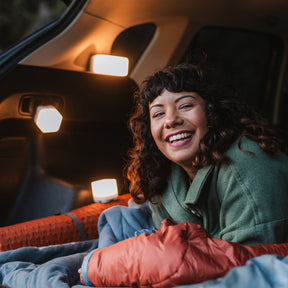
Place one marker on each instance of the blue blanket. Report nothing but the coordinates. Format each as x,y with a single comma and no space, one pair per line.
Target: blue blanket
57,265
265,271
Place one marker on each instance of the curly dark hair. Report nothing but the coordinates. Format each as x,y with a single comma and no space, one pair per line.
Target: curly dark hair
227,119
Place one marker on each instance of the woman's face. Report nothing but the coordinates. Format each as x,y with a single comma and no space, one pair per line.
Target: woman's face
178,123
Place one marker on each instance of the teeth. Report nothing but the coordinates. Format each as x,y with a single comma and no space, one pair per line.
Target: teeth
179,136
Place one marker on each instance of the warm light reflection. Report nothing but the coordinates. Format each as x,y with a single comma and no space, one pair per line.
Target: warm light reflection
48,118
104,190
109,65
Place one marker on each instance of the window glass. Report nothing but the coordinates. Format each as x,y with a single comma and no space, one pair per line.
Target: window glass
20,18
133,41
283,107
251,60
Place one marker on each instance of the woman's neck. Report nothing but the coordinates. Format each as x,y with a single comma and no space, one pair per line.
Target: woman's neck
191,172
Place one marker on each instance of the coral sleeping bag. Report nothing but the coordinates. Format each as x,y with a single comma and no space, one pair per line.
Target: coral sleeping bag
174,255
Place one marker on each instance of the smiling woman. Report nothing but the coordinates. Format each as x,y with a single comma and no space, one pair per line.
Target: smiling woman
210,161
178,123
202,156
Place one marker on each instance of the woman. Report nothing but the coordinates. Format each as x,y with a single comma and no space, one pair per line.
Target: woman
201,156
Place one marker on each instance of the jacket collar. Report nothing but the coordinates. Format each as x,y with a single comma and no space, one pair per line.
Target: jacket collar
197,185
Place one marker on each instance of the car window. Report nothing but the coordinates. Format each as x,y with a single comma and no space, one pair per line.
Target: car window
20,18
283,107
133,41
250,59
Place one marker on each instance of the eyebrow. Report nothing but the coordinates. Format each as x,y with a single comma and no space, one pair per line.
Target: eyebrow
176,101
184,96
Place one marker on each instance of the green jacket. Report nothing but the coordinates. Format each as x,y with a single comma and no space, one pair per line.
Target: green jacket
244,201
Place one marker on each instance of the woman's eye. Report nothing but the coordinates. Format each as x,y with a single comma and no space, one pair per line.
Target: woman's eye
183,106
157,114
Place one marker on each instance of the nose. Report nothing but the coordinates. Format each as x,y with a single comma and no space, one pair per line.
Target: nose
172,119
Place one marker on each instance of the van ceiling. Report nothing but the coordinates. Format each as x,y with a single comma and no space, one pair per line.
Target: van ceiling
98,25
244,13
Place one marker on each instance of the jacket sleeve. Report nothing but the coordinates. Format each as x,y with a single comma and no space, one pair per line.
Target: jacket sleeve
174,255
252,190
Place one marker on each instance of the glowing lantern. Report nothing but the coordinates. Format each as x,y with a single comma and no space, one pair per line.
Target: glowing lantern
48,118
104,190
109,65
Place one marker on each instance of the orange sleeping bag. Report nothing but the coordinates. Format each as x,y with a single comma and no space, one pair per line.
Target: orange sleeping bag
79,224
174,255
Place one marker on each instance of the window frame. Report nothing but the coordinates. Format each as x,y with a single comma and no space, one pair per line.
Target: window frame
10,57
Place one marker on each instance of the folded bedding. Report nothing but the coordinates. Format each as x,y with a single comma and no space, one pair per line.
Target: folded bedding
57,265
130,252
174,255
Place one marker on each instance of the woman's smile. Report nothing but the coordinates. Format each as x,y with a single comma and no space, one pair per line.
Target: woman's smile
179,139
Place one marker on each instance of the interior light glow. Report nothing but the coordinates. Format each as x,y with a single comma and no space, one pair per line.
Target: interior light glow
48,118
104,190
109,65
